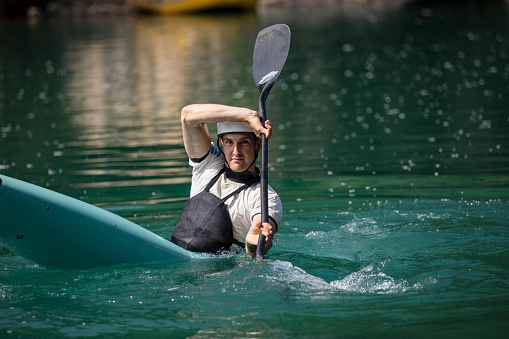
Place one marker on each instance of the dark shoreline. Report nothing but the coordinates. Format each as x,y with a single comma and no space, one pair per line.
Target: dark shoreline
97,8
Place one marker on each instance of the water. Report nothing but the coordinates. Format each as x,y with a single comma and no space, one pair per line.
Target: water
389,153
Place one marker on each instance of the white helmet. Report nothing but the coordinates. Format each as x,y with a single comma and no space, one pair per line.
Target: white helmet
233,127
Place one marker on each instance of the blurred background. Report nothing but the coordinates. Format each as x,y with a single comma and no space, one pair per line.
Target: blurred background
378,98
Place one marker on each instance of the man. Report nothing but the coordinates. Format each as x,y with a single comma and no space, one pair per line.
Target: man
225,202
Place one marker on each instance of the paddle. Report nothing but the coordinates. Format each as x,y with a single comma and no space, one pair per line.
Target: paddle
270,52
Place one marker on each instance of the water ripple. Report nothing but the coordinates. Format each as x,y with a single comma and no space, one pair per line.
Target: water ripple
370,279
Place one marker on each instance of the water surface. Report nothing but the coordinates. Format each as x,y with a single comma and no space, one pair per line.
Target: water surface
389,153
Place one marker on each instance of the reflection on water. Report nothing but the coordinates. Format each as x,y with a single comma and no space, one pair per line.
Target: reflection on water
415,102
400,100
108,114
142,80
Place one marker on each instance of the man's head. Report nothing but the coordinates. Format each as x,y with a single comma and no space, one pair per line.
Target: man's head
240,145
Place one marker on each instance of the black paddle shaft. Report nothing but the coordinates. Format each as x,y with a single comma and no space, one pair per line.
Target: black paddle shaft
270,52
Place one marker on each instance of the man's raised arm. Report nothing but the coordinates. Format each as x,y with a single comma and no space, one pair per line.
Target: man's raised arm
194,119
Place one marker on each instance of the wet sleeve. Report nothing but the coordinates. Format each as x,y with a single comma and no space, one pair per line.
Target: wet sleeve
276,210
198,160
275,207
214,150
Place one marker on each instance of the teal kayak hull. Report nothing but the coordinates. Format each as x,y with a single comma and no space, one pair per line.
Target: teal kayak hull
57,231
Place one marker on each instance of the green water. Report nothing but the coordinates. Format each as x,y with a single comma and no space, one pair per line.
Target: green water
390,153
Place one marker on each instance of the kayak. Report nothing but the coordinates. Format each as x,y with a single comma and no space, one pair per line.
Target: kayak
180,6
57,231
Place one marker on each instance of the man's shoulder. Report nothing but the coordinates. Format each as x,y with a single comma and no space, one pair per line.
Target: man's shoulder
213,155
215,151
206,169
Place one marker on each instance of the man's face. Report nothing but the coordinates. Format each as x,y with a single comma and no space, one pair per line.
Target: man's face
240,151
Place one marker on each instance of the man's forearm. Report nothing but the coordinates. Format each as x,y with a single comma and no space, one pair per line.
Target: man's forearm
196,114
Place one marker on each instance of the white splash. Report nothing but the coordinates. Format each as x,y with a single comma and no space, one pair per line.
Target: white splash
363,226
369,279
289,274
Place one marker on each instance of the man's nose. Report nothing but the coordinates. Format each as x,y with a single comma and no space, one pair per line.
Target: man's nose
236,149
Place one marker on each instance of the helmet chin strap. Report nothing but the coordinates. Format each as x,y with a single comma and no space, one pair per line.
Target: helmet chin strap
242,172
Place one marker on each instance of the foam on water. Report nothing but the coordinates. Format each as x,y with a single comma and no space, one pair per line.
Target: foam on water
370,279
